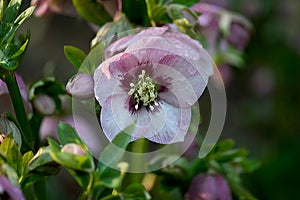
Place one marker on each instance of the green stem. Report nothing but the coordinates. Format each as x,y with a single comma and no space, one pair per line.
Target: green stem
9,78
139,146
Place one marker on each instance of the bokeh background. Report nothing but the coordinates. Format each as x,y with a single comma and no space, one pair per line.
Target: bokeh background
263,96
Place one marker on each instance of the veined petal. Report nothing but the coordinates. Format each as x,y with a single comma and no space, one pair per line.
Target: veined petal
106,86
119,67
115,115
176,124
121,44
167,124
185,81
154,47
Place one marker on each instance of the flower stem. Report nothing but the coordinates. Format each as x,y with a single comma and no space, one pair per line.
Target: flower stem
9,78
139,146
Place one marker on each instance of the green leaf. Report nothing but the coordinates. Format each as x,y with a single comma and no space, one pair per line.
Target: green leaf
42,157
67,134
21,50
10,151
25,160
9,36
92,11
74,55
157,12
136,192
2,8
111,178
11,11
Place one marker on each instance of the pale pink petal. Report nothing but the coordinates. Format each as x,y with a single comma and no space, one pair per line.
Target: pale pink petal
121,66
166,124
185,81
176,124
106,84
153,48
121,44
116,115
118,46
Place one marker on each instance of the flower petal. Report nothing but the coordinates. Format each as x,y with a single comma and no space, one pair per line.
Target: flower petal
176,124
108,75
121,44
119,67
167,124
185,81
115,115
154,47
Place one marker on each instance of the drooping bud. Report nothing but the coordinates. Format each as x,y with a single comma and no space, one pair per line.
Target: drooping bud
208,187
81,86
73,148
44,104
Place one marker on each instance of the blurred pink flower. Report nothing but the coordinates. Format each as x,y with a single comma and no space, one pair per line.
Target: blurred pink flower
5,101
49,7
152,80
66,7
220,24
9,191
208,187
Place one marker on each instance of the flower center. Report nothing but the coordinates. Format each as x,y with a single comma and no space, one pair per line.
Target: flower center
144,91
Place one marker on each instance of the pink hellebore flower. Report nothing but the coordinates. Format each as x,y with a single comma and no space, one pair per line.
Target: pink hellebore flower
152,80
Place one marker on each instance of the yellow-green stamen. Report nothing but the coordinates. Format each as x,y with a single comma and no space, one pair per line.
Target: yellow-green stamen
144,91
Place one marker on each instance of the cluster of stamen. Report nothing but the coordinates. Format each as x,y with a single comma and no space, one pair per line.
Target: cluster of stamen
144,91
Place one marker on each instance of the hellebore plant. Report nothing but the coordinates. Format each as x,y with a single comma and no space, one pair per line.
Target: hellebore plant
143,84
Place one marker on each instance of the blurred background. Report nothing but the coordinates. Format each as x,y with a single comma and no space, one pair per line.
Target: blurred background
263,96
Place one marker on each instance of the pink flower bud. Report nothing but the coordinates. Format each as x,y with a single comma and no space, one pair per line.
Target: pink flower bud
208,187
73,148
44,104
81,86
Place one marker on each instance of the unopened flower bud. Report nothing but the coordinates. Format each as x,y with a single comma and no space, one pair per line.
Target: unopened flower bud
44,104
73,148
81,86
208,187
